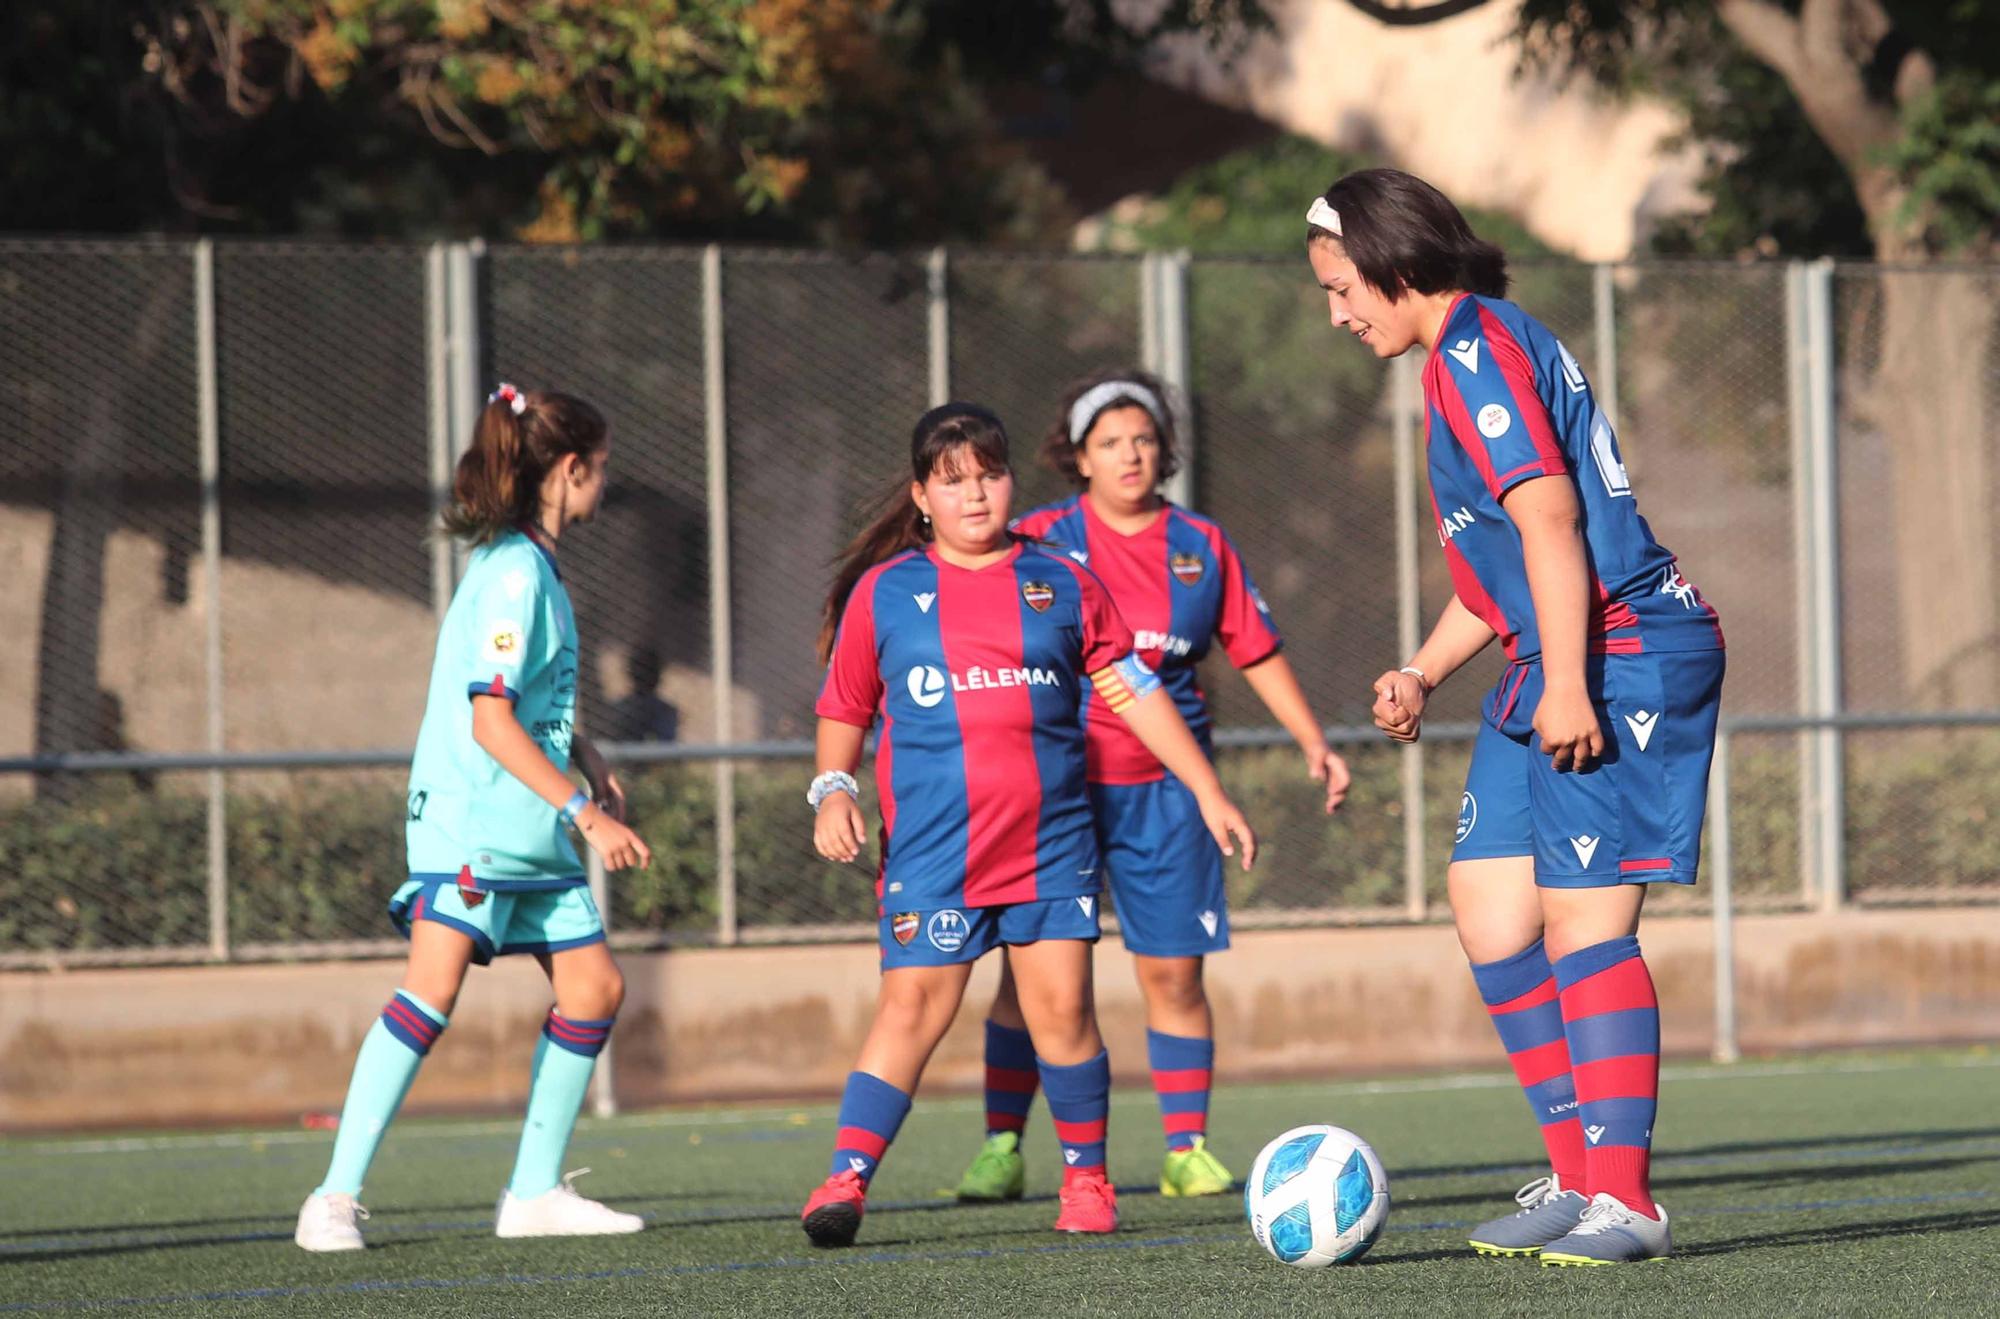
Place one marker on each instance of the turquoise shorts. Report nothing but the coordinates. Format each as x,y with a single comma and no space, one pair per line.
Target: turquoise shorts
534,921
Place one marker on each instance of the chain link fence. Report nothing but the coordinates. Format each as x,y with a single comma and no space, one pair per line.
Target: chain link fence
221,468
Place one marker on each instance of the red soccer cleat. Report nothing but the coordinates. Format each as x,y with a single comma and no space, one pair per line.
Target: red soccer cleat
1089,1204
833,1215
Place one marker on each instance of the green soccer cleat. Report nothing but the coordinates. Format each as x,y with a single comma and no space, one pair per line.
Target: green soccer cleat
1194,1171
999,1173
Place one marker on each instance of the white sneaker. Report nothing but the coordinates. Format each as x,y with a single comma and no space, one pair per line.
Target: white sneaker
1610,1233
561,1212
328,1222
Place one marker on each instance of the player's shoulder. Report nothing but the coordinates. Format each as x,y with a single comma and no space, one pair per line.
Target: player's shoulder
1064,564
1041,520
897,564
1187,528
510,563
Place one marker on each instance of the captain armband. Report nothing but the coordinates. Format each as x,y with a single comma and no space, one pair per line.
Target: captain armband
1125,682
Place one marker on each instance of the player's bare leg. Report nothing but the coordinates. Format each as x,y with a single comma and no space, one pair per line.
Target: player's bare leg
1054,986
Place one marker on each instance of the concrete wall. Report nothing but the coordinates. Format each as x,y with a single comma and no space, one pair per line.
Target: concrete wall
237,1044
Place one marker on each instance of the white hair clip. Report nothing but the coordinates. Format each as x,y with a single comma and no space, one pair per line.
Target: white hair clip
516,401
1098,397
1323,216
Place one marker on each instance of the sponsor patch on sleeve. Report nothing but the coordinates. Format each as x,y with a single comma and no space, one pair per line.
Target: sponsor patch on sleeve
503,642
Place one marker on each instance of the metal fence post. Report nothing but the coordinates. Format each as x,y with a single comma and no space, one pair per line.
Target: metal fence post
937,277
1604,305
1149,311
1175,366
437,333
1409,619
1799,387
604,1079
463,353
1829,767
1721,893
208,414
721,643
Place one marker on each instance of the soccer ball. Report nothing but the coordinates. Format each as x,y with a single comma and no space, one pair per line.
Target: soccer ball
1317,1196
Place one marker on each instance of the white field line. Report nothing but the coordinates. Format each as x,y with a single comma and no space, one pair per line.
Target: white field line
774,1116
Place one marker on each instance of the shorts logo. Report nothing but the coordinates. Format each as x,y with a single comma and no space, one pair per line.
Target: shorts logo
947,930
1187,568
926,686
904,926
1086,904
1495,421
1468,817
1586,848
417,800
1039,595
1209,921
1642,725
468,891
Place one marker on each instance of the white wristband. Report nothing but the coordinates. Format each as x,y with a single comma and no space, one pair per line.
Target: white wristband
829,783
1416,673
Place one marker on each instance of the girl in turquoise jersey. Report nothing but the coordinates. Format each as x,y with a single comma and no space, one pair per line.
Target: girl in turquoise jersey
492,868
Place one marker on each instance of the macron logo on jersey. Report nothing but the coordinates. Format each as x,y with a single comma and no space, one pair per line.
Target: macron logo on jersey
927,682
1467,353
924,601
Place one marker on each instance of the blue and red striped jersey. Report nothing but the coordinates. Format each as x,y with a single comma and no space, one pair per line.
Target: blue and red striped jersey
1505,403
975,677
1182,586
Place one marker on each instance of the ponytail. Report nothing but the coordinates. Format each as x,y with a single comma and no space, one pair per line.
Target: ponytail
898,524
518,440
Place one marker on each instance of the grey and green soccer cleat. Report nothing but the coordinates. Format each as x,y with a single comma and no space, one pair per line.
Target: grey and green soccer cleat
1548,1213
999,1173
1194,1171
1611,1233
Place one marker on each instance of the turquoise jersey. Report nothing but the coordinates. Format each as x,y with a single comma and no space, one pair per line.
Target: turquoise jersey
509,632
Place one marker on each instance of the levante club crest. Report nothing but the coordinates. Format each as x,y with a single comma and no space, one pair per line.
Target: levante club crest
904,926
1039,595
1187,568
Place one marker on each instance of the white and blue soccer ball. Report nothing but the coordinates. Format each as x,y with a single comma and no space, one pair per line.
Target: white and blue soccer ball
1317,1196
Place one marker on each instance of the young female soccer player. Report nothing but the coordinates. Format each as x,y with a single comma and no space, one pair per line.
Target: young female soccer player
1590,771
969,644
1178,581
492,870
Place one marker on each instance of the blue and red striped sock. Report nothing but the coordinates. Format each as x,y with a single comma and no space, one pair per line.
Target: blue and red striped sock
871,1111
1183,1073
1080,1102
1011,1079
1611,1016
1520,994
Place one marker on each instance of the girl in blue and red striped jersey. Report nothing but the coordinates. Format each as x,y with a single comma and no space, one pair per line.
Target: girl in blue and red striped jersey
1179,582
1590,772
968,646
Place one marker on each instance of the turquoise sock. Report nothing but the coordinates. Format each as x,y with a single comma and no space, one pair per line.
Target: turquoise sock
388,1062
564,1058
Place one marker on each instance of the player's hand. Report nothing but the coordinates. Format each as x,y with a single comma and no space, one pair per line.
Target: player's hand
1224,822
1399,705
609,794
839,832
1324,765
612,840
1566,722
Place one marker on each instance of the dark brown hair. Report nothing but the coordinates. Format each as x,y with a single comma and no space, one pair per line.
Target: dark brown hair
941,435
498,483
1058,451
1403,234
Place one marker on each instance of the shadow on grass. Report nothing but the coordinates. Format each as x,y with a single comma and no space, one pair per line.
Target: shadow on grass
1833,1233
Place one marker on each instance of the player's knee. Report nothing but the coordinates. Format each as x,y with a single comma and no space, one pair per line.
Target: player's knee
1174,984
612,990
914,1008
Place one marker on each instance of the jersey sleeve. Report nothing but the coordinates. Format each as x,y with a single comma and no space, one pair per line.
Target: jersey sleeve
1106,637
497,654
1496,410
1243,625
852,692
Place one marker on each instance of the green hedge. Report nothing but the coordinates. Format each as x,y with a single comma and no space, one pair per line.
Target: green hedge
118,867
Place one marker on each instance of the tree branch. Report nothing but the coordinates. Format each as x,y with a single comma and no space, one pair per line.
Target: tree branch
1768,33
1415,14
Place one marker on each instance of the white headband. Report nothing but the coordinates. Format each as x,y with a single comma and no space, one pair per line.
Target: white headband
1098,397
1324,216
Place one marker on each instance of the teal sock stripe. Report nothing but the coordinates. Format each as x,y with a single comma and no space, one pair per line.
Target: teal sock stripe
388,1061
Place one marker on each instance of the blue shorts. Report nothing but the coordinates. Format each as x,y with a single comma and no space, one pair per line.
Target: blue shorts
1635,816
532,921
947,936
1166,871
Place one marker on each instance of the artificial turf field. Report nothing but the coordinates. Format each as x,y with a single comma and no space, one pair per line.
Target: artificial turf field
1864,1185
